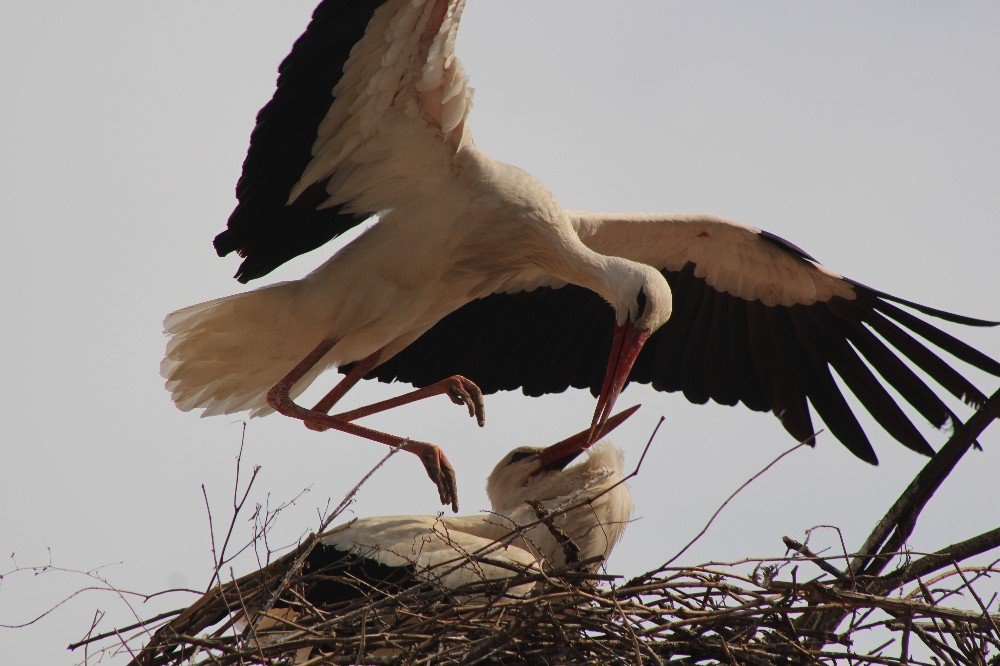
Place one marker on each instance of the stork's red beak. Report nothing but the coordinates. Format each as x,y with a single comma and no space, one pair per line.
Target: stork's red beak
562,453
625,347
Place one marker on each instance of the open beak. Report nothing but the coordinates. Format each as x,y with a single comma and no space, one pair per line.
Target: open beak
625,347
562,453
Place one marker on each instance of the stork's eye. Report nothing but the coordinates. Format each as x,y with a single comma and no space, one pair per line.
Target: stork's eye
519,455
641,303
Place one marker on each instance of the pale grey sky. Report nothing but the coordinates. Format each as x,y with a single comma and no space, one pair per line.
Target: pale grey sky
864,132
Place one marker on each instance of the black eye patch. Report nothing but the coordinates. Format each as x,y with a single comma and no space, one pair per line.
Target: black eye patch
520,455
641,302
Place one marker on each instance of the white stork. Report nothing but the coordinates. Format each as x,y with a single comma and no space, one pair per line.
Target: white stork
587,503
475,279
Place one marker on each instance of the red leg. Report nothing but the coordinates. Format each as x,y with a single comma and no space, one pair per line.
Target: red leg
356,374
458,388
279,396
438,468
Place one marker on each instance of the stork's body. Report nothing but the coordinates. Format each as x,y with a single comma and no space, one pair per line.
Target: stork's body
475,277
401,276
437,548
588,503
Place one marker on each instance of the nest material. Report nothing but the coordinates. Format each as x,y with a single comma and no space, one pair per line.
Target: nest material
798,609
748,613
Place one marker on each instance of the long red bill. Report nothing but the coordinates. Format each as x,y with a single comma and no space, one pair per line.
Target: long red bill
625,348
568,449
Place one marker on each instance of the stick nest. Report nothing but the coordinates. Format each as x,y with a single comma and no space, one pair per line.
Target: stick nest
883,605
739,613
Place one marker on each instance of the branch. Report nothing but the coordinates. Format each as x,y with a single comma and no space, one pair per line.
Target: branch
956,552
733,496
898,523
571,551
821,562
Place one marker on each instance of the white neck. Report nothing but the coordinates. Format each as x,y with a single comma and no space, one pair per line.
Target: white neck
596,525
606,276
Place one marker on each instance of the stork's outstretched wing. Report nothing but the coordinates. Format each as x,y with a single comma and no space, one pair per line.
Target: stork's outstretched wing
756,320
369,108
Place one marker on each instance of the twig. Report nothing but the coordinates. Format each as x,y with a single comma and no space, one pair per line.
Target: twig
898,522
930,563
238,503
312,539
986,614
571,552
801,548
731,497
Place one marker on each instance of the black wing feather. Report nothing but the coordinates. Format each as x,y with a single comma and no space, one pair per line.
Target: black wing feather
692,373
719,375
939,338
774,357
889,366
849,366
747,380
797,338
926,360
715,346
331,576
673,336
263,228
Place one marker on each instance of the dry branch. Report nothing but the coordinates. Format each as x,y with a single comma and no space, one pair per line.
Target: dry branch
710,614
756,611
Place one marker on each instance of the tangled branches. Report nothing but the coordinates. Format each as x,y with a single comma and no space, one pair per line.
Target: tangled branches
732,613
882,605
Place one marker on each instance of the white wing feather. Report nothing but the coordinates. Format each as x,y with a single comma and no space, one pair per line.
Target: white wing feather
437,547
400,111
731,257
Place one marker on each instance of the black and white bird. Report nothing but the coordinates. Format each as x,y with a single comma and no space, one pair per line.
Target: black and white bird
436,549
475,279
579,513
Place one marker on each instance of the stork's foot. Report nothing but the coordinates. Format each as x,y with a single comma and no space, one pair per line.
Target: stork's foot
459,389
438,468
464,391
440,471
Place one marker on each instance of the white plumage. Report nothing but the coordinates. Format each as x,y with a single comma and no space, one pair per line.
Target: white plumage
438,547
588,503
473,265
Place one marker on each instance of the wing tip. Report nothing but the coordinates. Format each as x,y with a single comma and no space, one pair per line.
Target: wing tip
952,317
865,453
223,243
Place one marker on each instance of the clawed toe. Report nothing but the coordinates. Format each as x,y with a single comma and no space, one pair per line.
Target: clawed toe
465,391
442,474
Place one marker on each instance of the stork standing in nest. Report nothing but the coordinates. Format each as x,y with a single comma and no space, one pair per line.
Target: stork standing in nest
475,278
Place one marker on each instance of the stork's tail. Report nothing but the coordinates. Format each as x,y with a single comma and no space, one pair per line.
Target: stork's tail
224,355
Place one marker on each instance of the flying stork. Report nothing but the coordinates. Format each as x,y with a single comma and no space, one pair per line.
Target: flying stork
587,504
475,279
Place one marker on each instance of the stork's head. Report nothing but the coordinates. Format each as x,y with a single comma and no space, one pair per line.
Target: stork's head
642,301
521,475
530,472
589,501
642,298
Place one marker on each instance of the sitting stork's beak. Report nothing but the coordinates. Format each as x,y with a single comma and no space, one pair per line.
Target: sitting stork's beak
562,453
